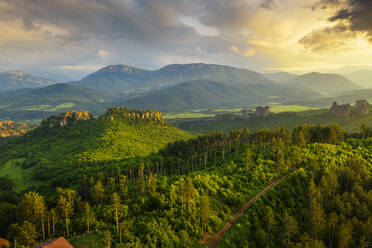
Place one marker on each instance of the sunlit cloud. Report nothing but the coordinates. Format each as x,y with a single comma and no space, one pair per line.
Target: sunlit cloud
234,49
250,53
256,34
102,52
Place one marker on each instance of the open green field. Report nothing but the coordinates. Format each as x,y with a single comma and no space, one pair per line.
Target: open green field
19,176
186,115
278,108
285,119
275,108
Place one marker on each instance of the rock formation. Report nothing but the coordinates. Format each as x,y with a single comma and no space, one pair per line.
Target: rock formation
119,113
361,107
10,128
343,110
260,112
67,118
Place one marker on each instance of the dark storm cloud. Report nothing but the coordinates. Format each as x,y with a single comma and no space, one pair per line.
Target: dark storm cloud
229,16
326,39
268,4
146,32
350,18
137,20
356,12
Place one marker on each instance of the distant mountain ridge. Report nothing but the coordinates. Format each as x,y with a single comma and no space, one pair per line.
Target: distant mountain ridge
41,102
19,80
129,82
133,77
280,77
324,83
196,94
362,78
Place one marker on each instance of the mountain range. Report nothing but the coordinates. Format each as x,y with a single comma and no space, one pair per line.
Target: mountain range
363,78
20,80
172,88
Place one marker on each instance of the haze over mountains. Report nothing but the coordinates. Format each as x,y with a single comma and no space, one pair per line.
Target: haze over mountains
172,88
20,80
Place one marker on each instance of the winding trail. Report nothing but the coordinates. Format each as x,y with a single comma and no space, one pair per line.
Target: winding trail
233,219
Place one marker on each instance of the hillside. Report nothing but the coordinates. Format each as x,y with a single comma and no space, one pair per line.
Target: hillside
182,195
344,97
76,137
362,78
323,83
114,79
280,77
39,103
129,81
197,94
20,80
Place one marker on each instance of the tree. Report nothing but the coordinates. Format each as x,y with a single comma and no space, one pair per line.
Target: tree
66,204
34,208
98,191
23,234
182,192
269,219
115,205
289,226
189,190
107,239
364,130
53,214
317,218
142,180
123,185
248,157
332,222
112,182
204,210
88,215
344,235
300,139
296,156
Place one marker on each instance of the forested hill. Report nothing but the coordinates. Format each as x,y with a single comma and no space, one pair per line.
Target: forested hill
76,138
182,195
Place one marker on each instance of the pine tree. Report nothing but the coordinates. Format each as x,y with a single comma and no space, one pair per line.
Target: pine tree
88,214
204,210
98,191
115,205
66,205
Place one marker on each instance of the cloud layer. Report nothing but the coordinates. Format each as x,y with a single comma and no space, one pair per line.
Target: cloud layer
75,37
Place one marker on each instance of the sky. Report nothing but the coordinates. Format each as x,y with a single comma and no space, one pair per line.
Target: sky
71,38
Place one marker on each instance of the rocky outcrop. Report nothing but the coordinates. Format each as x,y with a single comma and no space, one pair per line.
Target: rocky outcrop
260,112
130,114
10,128
361,107
343,110
67,118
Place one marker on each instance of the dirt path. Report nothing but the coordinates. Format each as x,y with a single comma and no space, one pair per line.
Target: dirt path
233,219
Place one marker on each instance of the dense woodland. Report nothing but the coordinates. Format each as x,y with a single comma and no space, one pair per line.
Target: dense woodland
181,194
